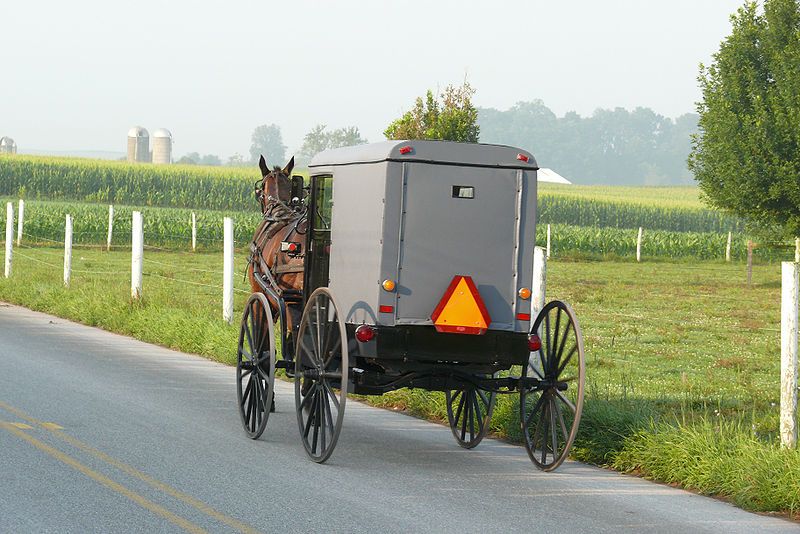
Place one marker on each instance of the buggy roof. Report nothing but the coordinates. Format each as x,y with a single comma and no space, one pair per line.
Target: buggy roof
443,152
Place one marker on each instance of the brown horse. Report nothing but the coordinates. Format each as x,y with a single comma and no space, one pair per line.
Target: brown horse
282,223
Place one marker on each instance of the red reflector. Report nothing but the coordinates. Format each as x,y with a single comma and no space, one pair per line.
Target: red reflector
534,343
523,316
292,247
522,157
405,149
386,309
365,333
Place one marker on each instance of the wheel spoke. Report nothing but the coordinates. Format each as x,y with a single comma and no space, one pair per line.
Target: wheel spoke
553,435
566,401
307,399
247,390
331,393
544,434
471,412
551,357
536,408
316,422
318,347
485,400
323,400
464,420
566,361
564,341
561,420
479,416
457,417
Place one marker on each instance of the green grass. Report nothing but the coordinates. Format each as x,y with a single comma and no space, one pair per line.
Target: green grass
682,358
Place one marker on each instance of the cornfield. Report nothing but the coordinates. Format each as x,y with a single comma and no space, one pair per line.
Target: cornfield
176,186
559,209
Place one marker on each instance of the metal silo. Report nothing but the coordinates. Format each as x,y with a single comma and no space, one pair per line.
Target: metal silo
162,146
7,146
138,145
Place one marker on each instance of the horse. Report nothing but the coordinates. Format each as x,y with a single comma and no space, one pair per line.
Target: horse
284,221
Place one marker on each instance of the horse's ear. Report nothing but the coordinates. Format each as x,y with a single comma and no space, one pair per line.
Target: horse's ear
289,166
262,164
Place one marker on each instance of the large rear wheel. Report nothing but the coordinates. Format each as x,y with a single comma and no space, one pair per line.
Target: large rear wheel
321,375
255,365
550,412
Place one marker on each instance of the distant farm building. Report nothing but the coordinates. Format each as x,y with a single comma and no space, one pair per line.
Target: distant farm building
551,176
7,146
138,145
162,146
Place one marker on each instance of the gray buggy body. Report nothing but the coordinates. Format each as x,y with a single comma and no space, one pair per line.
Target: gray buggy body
420,213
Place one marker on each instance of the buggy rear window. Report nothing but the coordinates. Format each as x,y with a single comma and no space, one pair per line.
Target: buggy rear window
463,191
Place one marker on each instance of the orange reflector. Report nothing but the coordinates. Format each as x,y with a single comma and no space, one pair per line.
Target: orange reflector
388,285
461,310
524,293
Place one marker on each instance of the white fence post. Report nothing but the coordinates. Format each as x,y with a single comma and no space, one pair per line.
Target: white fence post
548,242
227,281
539,282
797,250
789,327
67,250
137,253
639,245
110,226
728,247
20,216
9,236
194,232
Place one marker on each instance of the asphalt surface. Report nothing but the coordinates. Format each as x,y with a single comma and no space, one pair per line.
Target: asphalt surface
103,433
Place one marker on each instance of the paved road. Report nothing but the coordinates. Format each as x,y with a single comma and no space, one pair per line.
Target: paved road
103,433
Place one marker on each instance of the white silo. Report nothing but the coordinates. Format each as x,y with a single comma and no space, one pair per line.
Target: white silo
7,146
138,145
162,146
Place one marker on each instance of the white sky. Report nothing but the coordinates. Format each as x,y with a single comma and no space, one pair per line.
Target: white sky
76,75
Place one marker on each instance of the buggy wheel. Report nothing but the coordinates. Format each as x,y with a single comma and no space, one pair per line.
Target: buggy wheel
255,365
469,412
321,375
551,412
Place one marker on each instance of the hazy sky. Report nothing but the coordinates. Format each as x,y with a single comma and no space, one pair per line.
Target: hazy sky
75,75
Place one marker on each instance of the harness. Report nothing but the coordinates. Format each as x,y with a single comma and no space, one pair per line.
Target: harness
279,218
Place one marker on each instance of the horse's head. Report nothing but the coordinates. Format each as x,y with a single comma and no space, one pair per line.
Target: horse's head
275,184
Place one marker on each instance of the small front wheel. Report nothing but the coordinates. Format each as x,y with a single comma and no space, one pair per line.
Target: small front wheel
255,365
469,412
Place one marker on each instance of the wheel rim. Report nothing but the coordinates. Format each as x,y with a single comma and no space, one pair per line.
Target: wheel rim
321,375
255,366
469,412
550,414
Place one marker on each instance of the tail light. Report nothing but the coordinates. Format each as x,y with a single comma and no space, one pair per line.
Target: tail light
365,333
405,149
534,343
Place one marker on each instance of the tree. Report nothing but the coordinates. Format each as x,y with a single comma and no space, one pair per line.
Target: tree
194,158
237,160
452,117
746,156
267,141
318,140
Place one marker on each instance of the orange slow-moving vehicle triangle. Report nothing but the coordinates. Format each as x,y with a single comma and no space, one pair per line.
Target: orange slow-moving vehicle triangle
461,310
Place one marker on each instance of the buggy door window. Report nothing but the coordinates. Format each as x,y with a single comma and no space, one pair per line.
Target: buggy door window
322,205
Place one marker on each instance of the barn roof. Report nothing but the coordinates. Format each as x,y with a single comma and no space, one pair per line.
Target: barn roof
468,154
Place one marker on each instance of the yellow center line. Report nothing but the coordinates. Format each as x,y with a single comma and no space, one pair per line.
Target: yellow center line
132,471
142,501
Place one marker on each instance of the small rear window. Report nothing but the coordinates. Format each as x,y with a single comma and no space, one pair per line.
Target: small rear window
463,191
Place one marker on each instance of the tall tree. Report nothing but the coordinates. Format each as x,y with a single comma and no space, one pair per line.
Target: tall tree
747,154
450,117
267,141
319,139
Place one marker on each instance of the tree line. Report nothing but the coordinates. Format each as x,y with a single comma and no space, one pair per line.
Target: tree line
612,146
